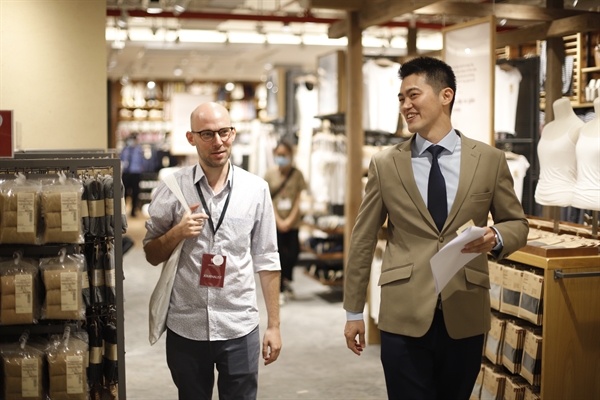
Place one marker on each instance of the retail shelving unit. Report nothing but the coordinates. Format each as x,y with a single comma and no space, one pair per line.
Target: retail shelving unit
44,163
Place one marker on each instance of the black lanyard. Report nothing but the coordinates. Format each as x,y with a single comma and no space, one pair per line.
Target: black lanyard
210,221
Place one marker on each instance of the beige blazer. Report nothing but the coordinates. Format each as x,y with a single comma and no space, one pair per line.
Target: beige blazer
408,298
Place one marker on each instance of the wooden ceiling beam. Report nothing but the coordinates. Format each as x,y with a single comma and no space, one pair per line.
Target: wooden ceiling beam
380,12
348,5
508,11
563,27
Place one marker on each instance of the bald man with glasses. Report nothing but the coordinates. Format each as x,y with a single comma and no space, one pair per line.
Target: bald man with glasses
229,236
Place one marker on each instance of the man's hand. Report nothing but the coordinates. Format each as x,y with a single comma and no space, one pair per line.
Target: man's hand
191,224
482,245
271,345
352,329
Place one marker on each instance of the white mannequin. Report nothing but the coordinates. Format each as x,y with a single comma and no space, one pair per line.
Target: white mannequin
556,153
586,195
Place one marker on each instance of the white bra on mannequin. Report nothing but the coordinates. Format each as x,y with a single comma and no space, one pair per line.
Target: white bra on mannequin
556,153
586,195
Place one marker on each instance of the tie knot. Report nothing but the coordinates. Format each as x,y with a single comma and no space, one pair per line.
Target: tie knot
435,150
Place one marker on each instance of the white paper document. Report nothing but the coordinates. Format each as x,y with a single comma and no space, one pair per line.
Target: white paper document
449,260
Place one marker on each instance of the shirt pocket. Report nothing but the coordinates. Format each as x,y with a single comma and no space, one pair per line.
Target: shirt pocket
396,274
479,197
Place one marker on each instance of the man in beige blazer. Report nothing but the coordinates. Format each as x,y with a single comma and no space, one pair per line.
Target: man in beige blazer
430,345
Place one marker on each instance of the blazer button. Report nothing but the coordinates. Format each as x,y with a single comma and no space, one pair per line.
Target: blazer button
441,239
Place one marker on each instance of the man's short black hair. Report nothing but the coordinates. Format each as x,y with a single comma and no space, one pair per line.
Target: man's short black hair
437,73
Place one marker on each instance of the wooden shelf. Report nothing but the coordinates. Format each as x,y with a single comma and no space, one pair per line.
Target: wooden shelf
551,263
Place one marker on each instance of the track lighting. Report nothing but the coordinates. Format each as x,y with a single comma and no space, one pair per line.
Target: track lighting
122,21
180,6
154,7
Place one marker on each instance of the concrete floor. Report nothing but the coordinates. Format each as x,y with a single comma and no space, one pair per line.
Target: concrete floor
314,362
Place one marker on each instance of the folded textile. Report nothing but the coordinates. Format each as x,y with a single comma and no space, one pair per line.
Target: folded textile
63,280
67,369
19,292
20,211
62,217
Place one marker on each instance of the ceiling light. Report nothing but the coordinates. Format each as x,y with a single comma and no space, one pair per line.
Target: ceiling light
180,6
151,84
154,7
503,22
229,86
201,36
177,71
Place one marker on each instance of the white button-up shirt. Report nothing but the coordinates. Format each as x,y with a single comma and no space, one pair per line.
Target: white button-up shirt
247,238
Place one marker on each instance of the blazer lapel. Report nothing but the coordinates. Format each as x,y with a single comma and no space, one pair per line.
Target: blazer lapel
403,162
468,164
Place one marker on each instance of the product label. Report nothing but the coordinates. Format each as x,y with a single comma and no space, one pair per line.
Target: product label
23,293
96,208
110,351
110,277
97,277
30,377
109,206
86,281
25,202
74,374
95,355
68,291
84,209
69,203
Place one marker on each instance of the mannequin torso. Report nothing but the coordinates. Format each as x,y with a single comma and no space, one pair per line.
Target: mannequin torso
556,153
586,195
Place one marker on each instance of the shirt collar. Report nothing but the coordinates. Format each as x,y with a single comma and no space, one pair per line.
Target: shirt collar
448,142
200,175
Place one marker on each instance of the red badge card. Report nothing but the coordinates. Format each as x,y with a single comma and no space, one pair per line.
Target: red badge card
212,273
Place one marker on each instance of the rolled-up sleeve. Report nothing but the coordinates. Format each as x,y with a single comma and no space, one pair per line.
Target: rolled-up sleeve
265,256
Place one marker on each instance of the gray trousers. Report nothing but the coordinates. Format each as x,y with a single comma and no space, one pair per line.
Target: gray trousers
192,364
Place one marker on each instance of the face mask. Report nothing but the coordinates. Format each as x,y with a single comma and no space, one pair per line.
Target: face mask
282,161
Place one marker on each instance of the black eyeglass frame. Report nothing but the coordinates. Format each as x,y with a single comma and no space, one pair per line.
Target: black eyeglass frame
225,136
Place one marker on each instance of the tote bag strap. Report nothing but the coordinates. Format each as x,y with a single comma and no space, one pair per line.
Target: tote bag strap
171,182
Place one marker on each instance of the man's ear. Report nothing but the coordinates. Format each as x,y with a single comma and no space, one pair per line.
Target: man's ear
190,138
447,95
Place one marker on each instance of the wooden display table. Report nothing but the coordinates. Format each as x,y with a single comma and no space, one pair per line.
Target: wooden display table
570,329
571,325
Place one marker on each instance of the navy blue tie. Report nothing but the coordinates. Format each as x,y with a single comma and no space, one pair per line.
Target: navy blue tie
437,203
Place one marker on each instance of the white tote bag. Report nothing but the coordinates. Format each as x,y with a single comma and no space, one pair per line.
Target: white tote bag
161,296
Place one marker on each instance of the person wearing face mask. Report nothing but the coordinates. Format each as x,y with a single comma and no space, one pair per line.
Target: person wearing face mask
286,183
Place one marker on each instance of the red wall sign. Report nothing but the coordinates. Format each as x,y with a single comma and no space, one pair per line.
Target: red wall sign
6,133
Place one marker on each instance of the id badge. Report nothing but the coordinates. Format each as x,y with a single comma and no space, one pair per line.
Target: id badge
284,204
212,272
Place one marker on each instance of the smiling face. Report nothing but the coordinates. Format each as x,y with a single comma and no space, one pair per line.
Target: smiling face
425,111
214,153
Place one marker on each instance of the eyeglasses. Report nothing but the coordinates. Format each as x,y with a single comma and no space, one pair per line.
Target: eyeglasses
207,135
